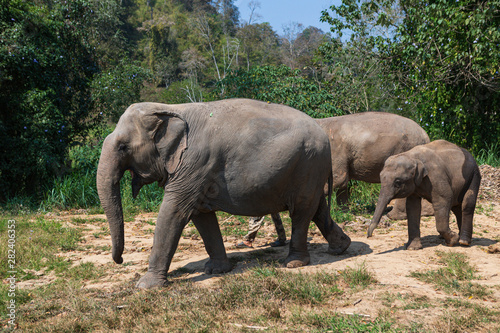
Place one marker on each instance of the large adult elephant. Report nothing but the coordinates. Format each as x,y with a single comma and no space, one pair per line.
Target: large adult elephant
240,156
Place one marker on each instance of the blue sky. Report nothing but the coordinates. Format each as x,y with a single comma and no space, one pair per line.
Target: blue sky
282,12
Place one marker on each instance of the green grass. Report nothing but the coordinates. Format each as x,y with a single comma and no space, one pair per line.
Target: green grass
73,191
362,200
490,156
462,316
407,301
265,296
36,243
455,276
84,271
358,277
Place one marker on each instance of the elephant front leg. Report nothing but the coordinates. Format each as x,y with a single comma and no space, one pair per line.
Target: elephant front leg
340,183
413,209
467,210
208,227
169,226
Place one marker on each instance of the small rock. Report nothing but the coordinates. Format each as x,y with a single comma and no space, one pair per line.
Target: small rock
494,248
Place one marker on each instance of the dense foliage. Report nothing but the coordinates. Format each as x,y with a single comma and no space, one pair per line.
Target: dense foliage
441,56
68,70
280,84
47,62
50,54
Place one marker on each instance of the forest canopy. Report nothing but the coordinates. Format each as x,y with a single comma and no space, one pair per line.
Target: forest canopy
68,69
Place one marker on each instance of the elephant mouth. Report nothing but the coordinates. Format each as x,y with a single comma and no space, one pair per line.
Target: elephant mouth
137,183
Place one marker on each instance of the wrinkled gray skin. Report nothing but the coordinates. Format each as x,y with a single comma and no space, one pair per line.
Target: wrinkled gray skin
444,174
240,156
361,143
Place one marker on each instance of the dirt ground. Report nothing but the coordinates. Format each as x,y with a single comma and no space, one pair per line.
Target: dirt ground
383,254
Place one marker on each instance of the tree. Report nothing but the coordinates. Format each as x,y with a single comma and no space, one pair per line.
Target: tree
230,16
289,49
50,52
280,84
259,44
222,48
442,57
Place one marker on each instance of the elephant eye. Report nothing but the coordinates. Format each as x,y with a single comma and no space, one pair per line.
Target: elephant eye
122,147
398,183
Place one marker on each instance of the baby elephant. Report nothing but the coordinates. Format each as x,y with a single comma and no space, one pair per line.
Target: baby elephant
441,172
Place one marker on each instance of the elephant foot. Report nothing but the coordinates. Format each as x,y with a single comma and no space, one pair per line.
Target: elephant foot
340,246
451,239
464,242
218,266
151,280
415,244
294,261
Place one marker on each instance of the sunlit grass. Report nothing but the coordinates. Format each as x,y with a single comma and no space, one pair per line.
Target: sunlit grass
455,277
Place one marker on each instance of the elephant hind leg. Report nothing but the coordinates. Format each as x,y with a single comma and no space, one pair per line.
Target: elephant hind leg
298,254
208,227
338,241
468,207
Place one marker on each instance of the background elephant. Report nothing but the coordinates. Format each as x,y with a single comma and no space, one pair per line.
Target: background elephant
398,211
360,144
240,156
444,174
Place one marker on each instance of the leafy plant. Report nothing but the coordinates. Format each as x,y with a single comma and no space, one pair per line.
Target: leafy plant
441,57
282,85
358,277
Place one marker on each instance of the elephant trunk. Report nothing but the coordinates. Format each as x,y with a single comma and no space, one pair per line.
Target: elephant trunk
108,188
383,200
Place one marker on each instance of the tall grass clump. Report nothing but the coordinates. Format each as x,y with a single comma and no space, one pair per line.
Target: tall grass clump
490,155
362,200
359,277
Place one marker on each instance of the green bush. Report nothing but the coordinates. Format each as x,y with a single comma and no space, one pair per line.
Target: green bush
44,100
114,90
282,85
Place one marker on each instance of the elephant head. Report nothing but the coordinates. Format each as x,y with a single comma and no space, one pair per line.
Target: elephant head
399,178
149,141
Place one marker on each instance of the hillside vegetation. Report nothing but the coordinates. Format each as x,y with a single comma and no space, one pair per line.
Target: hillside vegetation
70,68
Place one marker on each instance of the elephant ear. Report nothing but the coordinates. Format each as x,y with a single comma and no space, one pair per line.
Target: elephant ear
170,138
420,172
